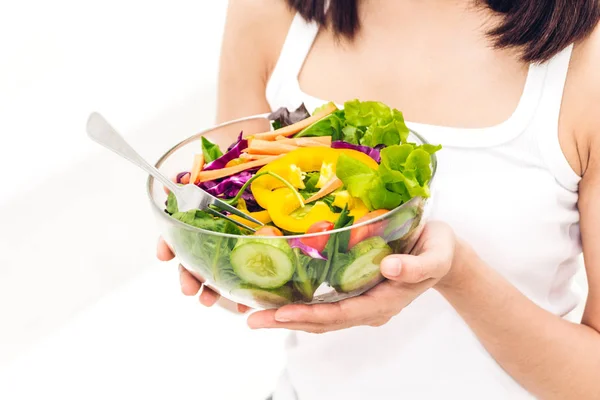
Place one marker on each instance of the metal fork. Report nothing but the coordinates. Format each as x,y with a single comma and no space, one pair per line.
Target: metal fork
189,197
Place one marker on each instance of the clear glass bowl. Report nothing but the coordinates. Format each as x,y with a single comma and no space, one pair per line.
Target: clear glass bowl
207,254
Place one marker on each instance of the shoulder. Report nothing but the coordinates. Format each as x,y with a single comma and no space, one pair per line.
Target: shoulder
581,105
256,29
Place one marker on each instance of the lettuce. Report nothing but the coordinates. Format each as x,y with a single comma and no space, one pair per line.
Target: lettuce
210,151
404,173
380,124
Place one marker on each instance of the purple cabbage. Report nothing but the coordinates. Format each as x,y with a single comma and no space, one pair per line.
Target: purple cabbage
181,175
234,151
239,139
230,186
307,250
370,151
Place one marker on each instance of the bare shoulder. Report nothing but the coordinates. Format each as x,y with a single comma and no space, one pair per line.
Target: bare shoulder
581,106
255,31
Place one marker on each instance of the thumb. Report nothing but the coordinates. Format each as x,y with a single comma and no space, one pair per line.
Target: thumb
412,269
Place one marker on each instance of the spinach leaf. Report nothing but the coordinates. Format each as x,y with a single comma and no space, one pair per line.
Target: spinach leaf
210,151
337,246
172,204
308,270
331,125
205,251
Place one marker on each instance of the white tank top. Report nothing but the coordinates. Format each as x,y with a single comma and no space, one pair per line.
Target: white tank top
509,191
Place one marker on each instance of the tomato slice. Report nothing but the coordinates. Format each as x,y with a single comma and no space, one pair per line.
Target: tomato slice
364,232
268,230
318,242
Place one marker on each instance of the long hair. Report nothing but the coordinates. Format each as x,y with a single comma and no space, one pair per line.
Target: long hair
538,28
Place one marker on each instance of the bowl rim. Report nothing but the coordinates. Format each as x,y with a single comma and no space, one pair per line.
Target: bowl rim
167,217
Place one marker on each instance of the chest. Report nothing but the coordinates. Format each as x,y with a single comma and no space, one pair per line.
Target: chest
431,80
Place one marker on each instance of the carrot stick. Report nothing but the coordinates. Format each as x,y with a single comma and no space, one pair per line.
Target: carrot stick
298,126
321,141
258,146
197,167
223,172
329,187
248,156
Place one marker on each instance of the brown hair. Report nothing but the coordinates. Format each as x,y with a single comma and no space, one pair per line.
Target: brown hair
538,28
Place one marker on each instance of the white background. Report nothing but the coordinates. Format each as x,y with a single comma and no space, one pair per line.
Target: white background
86,312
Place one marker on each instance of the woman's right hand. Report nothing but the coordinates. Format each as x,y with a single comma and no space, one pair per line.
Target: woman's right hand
190,286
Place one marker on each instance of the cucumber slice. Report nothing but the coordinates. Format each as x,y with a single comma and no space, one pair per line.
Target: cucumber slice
266,263
363,269
266,298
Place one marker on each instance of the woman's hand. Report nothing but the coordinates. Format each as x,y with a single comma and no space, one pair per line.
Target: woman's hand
408,277
190,286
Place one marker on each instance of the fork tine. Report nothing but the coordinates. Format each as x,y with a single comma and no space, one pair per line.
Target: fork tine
221,204
238,223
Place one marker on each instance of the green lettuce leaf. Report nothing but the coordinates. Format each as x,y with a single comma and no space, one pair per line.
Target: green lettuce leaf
365,183
351,134
367,113
210,151
392,133
331,125
406,170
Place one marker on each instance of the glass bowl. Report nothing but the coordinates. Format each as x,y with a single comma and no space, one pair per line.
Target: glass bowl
298,278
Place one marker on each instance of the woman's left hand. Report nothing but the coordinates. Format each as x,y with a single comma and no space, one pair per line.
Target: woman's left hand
409,275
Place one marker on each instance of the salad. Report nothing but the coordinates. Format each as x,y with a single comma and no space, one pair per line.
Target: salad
337,190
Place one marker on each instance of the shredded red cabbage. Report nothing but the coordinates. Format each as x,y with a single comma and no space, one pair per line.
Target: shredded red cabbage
370,151
307,250
230,186
181,175
234,151
239,139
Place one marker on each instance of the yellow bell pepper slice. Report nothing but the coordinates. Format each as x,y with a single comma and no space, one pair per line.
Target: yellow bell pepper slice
356,207
263,216
283,205
359,209
305,159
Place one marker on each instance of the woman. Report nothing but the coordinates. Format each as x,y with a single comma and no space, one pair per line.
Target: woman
511,89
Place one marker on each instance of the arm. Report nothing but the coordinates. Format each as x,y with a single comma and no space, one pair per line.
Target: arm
549,356
253,38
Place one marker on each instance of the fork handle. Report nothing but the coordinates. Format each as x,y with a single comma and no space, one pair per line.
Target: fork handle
100,131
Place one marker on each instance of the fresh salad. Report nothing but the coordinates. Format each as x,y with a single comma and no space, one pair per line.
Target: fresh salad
309,174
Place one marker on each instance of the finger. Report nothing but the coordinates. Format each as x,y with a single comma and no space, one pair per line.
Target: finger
266,320
189,285
351,311
163,252
432,262
243,309
208,297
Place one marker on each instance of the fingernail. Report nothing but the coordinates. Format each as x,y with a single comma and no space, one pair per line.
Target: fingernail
391,267
282,318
